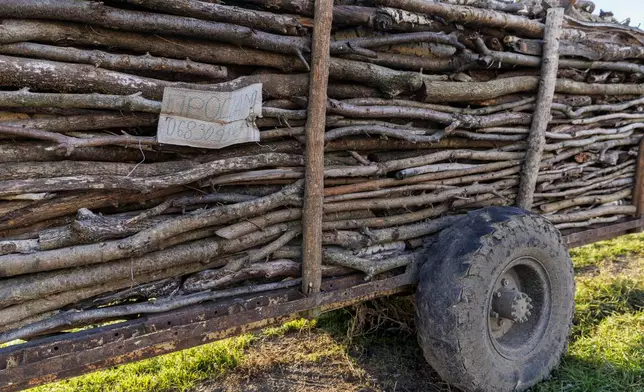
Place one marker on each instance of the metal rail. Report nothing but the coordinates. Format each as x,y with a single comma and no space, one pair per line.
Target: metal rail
63,356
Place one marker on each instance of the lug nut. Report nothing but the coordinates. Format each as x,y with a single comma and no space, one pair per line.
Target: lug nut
498,294
504,282
530,306
528,313
501,323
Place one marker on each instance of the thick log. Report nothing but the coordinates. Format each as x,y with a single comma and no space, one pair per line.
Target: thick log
119,62
542,116
137,21
15,31
129,103
434,91
146,184
85,122
469,15
63,77
25,170
276,23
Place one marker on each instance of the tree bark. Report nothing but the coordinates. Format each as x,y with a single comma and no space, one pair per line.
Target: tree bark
147,184
119,62
276,23
542,116
16,31
129,103
137,21
433,91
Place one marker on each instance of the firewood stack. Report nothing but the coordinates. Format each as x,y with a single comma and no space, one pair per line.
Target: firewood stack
430,104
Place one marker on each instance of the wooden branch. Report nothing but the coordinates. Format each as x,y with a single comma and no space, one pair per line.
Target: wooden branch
162,305
153,237
25,170
475,91
584,200
469,15
276,23
15,31
33,286
51,75
338,133
314,152
536,138
344,258
360,45
85,122
465,120
146,240
590,222
130,103
403,202
491,57
114,18
353,240
68,144
119,62
592,213
144,184
405,179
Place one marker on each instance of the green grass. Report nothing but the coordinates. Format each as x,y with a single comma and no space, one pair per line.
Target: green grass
177,372
606,351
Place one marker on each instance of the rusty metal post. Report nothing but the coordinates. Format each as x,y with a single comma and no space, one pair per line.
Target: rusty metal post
638,188
314,154
542,115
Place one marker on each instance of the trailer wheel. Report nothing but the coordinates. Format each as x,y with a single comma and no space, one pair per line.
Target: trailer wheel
494,303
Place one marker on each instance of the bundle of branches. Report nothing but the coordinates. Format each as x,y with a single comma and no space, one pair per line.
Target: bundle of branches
430,106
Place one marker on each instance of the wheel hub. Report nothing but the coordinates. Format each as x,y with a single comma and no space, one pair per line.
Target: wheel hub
512,304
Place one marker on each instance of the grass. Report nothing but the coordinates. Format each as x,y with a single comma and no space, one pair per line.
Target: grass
368,344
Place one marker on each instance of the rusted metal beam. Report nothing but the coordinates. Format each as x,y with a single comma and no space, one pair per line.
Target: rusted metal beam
542,111
607,232
314,154
56,358
638,188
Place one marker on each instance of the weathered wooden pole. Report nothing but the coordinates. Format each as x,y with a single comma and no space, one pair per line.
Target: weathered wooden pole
314,154
542,115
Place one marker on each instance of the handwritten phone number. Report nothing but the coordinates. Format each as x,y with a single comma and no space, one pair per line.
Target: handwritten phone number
191,130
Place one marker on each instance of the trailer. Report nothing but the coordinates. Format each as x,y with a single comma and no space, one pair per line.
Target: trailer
494,287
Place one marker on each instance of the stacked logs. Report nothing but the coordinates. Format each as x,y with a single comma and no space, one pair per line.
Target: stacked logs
430,105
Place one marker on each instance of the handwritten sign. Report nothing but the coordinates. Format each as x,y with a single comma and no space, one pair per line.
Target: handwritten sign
209,119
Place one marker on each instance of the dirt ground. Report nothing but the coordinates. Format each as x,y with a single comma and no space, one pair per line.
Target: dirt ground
381,355
314,361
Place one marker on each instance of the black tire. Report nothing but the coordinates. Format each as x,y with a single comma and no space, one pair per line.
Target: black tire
459,290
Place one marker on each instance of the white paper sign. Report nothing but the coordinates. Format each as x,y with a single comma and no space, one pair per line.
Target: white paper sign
209,119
